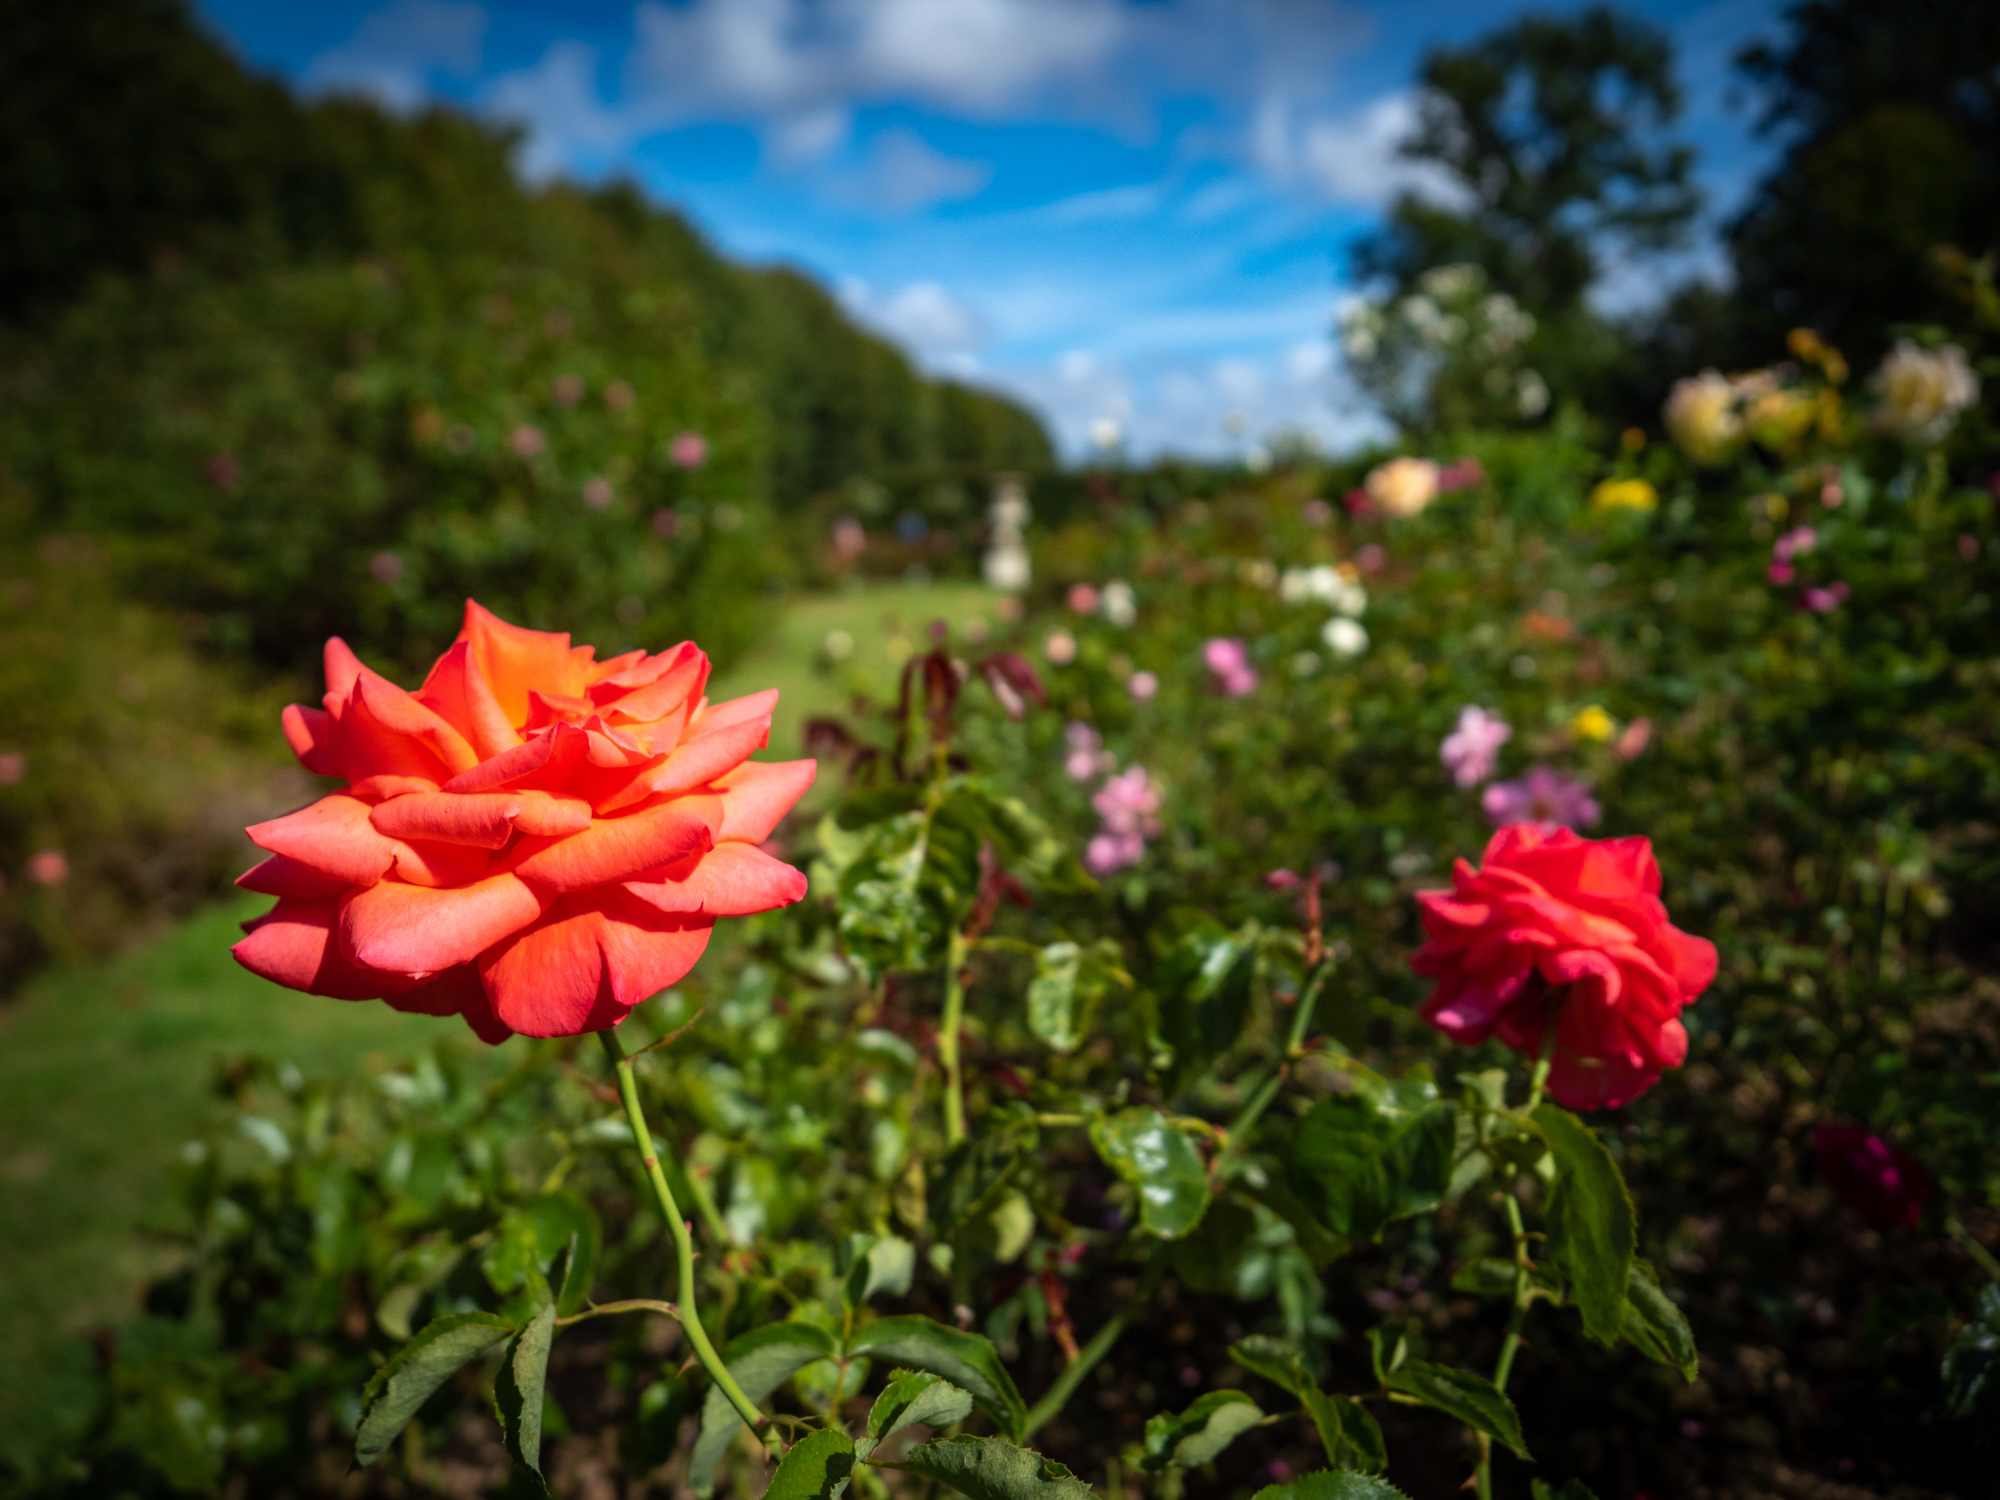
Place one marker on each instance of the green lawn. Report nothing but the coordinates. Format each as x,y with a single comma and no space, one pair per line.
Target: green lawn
105,1071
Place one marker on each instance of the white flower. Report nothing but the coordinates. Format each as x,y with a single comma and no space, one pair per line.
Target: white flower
1007,567
1531,394
1118,604
1345,637
1923,391
1359,344
1452,283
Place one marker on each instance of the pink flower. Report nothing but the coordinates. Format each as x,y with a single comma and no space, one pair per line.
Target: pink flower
48,867
1142,686
1544,796
13,766
1470,751
224,471
1633,739
1357,502
688,450
1129,806
1968,546
1082,598
1461,474
1087,755
1370,558
526,440
1316,513
1108,853
1780,573
1825,601
1794,543
1228,659
1283,880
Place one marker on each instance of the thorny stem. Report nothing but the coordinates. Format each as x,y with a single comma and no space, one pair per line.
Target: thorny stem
1971,1246
1089,1356
948,1037
690,1319
1260,1099
1523,1269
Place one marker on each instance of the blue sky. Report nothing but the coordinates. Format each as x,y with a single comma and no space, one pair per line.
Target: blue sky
1120,210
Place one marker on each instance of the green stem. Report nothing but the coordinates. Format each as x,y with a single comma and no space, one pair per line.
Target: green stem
1261,1097
1980,1254
1523,1283
690,1318
948,1038
1538,1079
1091,1354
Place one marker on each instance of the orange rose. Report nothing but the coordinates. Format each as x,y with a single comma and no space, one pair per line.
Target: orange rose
534,840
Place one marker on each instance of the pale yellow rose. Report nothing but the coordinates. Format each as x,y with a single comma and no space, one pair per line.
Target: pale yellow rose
1923,391
1402,487
1700,414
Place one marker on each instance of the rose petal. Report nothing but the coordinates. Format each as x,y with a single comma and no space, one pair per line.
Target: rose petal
431,862
587,963
551,814
379,708
333,836
414,929
458,692
293,945
484,820
730,880
544,761
313,738
279,876
757,795
614,849
515,660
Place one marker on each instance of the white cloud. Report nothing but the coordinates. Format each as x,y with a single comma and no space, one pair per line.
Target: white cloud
902,173
394,54
559,98
937,328
1348,157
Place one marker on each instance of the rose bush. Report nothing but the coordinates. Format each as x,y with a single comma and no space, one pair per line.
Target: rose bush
534,840
1557,931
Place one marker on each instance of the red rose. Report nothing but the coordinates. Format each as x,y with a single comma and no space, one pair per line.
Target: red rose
1885,1186
534,840
1563,930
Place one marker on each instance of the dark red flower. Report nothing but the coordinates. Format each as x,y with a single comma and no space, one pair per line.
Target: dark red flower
1884,1185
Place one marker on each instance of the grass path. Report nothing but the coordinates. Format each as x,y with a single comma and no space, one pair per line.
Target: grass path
105,1071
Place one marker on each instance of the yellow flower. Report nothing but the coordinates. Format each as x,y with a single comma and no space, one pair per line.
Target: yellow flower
1700,414
1624,494
1593,724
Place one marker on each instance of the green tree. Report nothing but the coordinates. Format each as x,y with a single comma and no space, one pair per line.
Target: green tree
1891,114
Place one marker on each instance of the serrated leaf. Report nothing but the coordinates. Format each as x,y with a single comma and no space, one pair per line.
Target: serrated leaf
761,1360
816,1467
1590,1222
1336,1485
1655,1325
1189,1439
967,1360
1472,1399
987,1468
521,1389
1153,1154
1347,1431
414,1373
1363,1161
914,1396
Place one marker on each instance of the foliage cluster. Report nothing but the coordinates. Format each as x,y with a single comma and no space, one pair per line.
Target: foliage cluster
1157,1170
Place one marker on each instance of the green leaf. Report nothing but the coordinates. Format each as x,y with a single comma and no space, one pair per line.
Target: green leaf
816,1467
564,1224
1052,996
1069,981
519,1392
761,1360
1194,1437
1153,1154
1590,1222
882,1263
993,1469
415,1372
1972,1365
1339,1485
1655,1325
1203,982
914,1396
1485,1277
1473,1399
1363,1161
1347,1431
967,1360
1572,1489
